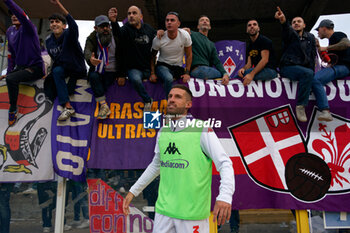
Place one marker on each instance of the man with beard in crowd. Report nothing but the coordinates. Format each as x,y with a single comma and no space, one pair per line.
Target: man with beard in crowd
102,55
261,61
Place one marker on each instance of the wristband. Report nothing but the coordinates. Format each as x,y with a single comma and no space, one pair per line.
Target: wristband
187,72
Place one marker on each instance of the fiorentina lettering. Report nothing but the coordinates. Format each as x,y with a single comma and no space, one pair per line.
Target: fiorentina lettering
258,89
175,163
67,161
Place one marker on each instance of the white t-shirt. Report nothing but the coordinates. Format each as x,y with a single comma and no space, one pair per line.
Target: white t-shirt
172,51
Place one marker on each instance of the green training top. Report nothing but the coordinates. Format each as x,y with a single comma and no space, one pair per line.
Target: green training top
185,175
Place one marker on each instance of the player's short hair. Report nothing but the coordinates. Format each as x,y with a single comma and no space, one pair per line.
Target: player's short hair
59,17
201,16
183,87
253,19
174,13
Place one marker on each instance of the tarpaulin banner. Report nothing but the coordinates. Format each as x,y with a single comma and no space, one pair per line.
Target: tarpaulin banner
25,147
106,211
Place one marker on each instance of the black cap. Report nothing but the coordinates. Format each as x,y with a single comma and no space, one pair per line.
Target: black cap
326,23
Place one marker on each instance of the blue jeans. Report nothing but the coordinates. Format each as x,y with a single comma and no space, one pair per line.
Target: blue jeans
234,220
5,211
59,76
323,77
47,200
167,76
79,198
136,77
100,83
205,72
304,76
264,74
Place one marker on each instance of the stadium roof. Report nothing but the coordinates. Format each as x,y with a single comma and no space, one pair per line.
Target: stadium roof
228,17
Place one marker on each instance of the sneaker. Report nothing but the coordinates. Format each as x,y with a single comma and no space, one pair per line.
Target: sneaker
47,229
75,223
325,116
29,191
148,106
122,190
67,227
84,224
104,111
66,113
301,115
12,118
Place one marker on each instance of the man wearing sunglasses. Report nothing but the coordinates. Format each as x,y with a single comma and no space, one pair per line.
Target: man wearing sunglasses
102,53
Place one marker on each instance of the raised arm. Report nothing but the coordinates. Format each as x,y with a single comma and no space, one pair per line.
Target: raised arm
280,16
60,6
112,15
21,16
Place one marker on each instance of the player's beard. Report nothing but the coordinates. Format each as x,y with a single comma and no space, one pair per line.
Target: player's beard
105,39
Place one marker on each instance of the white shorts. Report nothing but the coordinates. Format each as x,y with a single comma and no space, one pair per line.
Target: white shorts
165,224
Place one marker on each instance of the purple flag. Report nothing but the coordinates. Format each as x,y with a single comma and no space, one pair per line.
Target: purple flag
71,138
232,55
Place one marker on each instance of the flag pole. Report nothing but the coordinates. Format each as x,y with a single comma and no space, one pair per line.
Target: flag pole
60,204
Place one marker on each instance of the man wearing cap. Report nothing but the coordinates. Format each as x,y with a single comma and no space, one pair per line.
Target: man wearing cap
298,59
68,59
172,46
261,61
136,42
339,47
102,53
24,55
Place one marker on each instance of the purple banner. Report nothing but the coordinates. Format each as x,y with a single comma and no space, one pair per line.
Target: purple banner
120,141
71,138
279,162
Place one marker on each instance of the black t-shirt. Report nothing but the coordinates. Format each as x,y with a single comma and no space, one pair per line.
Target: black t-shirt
254,51
137,44
343,55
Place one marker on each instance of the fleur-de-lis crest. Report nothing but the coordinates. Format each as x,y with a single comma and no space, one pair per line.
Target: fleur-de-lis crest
337,145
